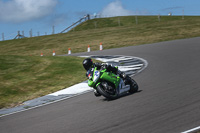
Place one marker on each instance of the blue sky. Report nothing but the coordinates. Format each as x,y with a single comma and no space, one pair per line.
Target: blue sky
41,15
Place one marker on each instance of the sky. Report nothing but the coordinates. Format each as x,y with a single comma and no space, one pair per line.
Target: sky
41,15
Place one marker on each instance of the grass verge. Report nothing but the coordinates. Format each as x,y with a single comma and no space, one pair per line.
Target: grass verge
26,77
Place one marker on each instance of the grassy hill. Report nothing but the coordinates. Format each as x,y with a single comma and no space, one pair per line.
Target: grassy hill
25,75
109,32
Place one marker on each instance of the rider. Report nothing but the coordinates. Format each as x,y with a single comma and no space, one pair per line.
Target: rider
88,63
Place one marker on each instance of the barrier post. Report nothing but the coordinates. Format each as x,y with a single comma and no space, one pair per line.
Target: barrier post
88,50
101,46
54,53
69,51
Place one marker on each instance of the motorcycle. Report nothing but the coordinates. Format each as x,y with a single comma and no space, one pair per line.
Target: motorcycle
110,85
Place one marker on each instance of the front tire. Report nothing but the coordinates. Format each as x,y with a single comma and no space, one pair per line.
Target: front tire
102,89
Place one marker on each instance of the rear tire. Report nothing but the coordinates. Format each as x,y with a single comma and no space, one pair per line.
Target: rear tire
133,86
103,91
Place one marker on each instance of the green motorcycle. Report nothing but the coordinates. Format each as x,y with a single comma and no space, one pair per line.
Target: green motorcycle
110,85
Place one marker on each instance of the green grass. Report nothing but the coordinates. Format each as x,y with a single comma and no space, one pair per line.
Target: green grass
26,77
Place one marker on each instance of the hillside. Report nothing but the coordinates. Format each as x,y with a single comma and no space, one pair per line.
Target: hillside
112,32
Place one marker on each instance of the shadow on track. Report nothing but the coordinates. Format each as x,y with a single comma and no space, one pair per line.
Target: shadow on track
121,96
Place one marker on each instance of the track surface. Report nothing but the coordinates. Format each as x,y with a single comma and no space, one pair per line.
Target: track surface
169,100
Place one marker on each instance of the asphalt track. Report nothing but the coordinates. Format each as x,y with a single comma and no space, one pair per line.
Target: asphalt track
169,100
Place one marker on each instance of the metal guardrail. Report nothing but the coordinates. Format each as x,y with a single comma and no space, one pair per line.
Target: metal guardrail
87,17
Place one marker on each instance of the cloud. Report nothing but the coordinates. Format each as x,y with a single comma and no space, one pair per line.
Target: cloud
116,9
25,10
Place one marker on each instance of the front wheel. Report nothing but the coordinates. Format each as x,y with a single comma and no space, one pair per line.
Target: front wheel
107,90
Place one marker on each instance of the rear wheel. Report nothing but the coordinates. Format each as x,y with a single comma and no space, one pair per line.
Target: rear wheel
107,90
133,86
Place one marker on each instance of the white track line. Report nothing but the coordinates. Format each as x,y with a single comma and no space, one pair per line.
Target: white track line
75,89
114,59
44,104
191,130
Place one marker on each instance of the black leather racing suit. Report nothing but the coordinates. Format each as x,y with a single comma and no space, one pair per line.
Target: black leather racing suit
109,68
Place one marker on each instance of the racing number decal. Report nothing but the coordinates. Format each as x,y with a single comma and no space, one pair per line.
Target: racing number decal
96,73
